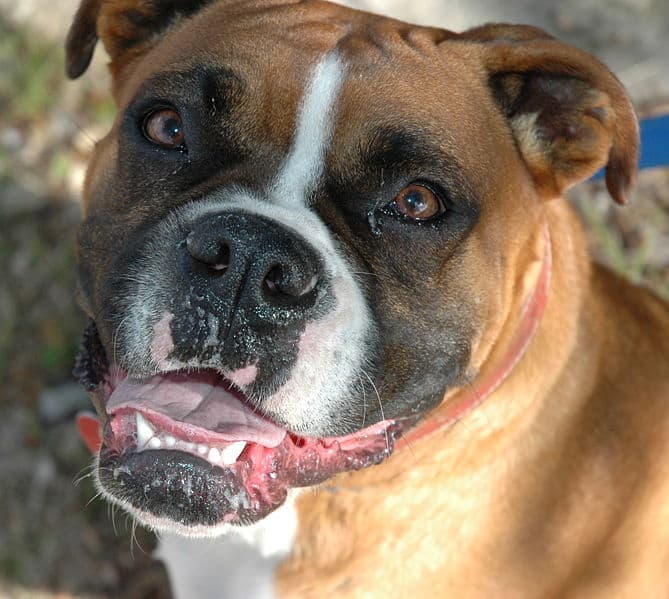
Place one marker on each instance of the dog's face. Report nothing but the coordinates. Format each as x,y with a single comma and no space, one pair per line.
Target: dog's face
303,229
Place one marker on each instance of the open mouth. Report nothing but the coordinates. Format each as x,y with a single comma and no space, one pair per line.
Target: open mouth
187,450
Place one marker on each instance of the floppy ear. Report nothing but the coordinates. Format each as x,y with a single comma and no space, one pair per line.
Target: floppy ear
127,28
569,114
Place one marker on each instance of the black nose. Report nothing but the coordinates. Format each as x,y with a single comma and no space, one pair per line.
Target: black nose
254,259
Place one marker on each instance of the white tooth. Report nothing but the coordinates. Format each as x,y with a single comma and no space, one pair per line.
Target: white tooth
144,430
190,446
202,449
170,441
214,455
154,443
230,454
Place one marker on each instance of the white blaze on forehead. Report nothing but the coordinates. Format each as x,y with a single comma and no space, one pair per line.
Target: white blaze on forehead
303,166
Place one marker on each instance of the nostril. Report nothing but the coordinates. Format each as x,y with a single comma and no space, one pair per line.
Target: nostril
213,253
281,285
222,265
273,279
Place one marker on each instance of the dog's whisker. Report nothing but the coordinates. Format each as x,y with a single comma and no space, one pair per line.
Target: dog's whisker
459,420
77,124
112,513
383,416
134,539
133,531
81,477
85,472
408,444
92,499
364,401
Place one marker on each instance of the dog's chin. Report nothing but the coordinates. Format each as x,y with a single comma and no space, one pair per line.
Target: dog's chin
187,452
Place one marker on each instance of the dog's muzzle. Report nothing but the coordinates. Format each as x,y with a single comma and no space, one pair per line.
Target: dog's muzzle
236,307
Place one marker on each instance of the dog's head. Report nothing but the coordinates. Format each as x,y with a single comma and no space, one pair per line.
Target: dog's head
304,228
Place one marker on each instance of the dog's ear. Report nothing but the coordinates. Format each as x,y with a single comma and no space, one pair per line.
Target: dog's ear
127,29
82,38
569,114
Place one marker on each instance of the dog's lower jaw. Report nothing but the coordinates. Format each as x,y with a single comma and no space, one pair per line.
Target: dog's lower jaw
176,476
174,490
163,526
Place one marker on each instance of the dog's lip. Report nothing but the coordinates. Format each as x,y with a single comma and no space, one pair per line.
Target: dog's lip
123,435
196,404
192,482
181,419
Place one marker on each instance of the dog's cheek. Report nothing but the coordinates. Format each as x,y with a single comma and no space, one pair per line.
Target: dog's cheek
416,374
97,253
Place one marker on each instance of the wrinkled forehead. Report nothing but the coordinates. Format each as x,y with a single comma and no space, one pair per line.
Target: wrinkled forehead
273,48
367,72
270,48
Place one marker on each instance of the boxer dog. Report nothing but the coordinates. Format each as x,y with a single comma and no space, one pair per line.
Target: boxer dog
326,249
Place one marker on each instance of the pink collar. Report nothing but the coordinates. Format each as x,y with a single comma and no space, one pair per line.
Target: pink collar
530,316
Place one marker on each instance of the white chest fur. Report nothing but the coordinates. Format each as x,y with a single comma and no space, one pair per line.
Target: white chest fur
239,564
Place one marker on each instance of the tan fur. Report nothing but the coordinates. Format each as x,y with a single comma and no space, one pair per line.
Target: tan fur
556,486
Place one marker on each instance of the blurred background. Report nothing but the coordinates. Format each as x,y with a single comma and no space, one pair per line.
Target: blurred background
55,539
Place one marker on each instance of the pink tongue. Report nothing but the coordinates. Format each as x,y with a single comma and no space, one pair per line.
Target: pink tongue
202,400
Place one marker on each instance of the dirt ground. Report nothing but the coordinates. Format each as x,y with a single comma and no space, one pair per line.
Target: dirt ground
56,539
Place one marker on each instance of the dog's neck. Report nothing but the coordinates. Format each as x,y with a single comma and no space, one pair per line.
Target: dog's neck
491,377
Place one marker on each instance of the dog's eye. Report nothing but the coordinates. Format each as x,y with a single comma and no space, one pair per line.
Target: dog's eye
418,202
165,127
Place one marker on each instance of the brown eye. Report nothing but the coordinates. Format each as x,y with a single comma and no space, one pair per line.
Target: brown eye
165,127
418,202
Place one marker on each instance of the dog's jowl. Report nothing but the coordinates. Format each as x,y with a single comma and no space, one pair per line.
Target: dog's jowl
328,250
